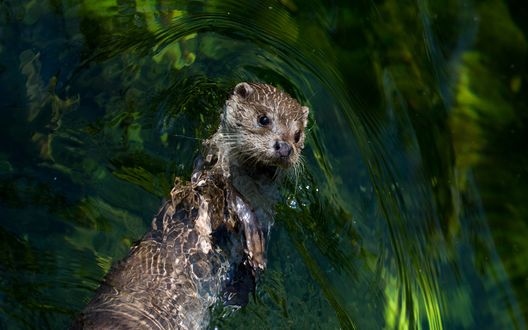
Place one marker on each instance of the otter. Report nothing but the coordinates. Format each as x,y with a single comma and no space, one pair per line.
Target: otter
208,241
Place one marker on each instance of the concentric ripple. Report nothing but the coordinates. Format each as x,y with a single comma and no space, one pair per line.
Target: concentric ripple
410,210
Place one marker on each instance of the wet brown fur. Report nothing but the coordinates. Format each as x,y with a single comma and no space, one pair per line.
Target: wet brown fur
177,271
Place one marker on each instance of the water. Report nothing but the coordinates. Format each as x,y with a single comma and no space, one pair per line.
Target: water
411,211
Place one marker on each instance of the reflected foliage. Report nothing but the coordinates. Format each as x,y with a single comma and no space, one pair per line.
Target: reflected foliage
410,212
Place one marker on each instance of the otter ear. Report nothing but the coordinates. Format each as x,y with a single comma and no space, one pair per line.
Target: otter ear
305,111
243,90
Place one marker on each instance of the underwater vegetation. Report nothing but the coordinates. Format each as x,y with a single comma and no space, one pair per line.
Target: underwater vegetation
411,211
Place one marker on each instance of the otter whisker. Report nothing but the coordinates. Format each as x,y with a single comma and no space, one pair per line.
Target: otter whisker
187,137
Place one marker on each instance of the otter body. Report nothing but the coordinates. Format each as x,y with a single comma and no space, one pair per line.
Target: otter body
208,241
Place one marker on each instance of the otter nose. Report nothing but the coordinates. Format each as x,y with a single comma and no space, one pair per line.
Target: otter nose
282,148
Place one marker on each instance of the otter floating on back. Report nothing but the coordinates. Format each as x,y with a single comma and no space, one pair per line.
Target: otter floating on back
208,241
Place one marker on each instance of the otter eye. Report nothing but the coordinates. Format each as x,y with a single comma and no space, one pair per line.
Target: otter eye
297,136
264,120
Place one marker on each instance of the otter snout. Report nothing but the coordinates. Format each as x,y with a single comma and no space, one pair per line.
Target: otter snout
283,149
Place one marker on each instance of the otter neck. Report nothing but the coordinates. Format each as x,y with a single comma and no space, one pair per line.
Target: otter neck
256,183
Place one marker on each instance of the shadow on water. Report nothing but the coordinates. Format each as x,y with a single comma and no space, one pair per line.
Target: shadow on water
410,212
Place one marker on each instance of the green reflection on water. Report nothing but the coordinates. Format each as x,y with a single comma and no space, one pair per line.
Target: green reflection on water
410,213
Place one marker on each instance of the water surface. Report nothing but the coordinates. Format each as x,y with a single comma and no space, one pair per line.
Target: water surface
411,211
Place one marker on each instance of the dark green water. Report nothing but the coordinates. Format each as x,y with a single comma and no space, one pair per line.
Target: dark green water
412,210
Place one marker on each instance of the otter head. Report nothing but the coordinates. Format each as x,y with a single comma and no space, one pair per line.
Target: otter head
264,126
